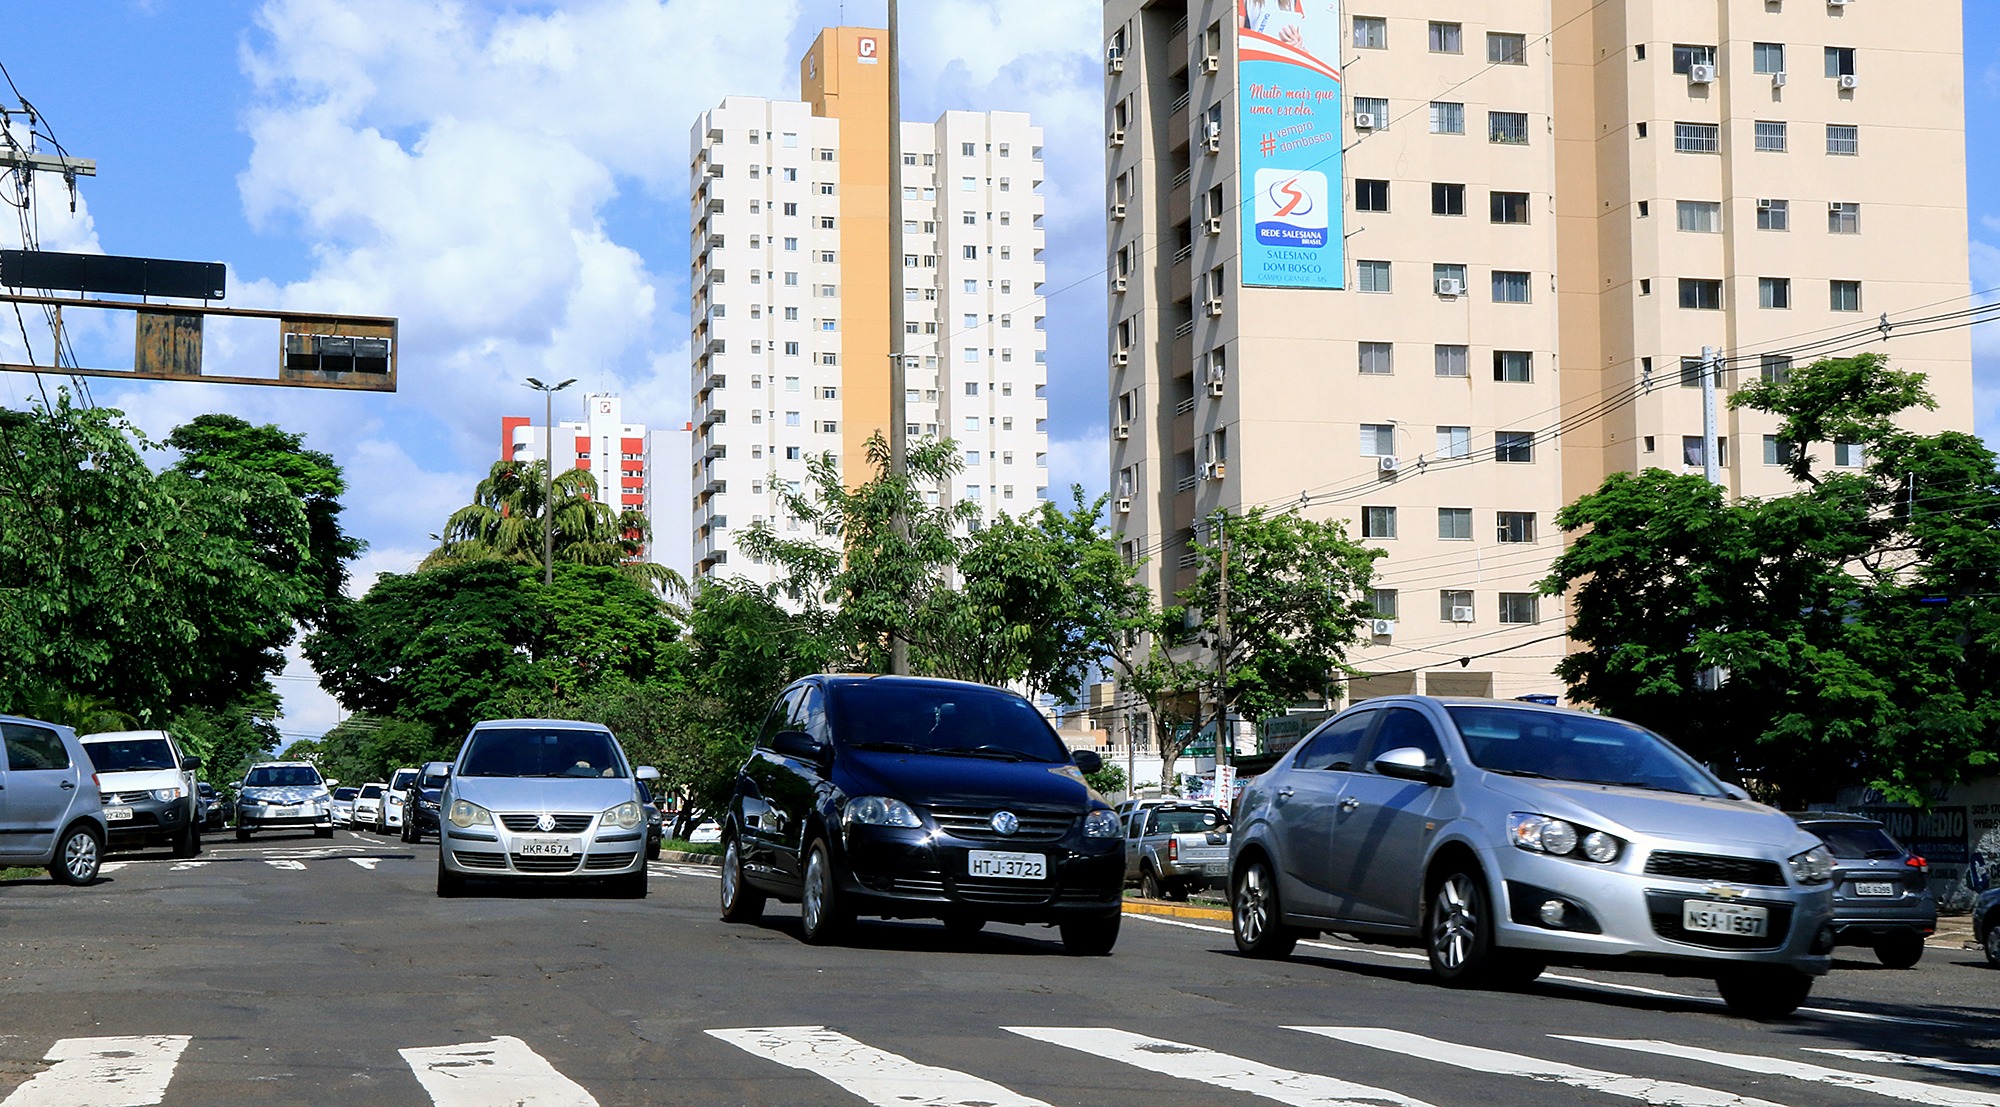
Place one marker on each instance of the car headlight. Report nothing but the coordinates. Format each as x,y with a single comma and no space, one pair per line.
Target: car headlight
625,816
165,795
881,811
1814,866
1101,824
1559,838
465,813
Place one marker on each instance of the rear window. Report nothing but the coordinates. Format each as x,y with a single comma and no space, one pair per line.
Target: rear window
1856,841
126,755
542,752
401,781
282,776
370,791
947,720
345,793
1187,822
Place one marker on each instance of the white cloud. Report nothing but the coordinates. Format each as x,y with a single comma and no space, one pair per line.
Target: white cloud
1085,460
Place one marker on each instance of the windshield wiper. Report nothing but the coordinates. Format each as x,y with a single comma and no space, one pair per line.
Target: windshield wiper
994,752
890,747
1522,772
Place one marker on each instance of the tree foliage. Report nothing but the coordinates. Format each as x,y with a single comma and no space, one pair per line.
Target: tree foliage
504,523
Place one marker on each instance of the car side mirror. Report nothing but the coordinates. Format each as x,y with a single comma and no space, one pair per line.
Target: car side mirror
1409,763
438,768
1735,793
1087,761
190,763
798,745
647,772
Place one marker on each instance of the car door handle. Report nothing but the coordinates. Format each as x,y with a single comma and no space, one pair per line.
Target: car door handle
66,785
1349,804
1284,793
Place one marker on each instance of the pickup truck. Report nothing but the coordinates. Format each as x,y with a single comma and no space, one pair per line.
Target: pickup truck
148,789
1174,849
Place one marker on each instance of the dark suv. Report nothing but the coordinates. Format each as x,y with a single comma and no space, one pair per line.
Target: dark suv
1881,892
420,811
914,798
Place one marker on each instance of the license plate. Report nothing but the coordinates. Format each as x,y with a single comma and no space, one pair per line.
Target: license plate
547,847
118,814
1873,888
1008,866
283,811
1708,917
1215,868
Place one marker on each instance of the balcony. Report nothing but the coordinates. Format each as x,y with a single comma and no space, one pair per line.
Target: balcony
711,416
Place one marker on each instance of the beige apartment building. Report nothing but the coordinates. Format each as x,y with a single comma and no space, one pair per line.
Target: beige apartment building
1547,209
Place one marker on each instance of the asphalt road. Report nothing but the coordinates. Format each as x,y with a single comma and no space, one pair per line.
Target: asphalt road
299,971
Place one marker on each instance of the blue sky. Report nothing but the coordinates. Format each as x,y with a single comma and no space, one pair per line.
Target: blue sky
510,180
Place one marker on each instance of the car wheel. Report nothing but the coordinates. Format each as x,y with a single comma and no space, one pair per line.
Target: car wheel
652,851
1149,886
962,928
740,902
322,832
632,885
1459,937
1900,951
242,833
1092,936
1254,916
188,842
1764,991
77,857
1992,943
451,885
409,831
821,910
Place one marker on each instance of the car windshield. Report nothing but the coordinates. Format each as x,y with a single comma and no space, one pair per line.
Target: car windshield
432,783
1188,821
125,755
401,781
370,791
1588,749
282,776
542,752
947,720
1856,841
345,793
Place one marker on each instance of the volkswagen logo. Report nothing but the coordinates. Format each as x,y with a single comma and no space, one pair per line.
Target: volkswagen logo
1005,823
546,823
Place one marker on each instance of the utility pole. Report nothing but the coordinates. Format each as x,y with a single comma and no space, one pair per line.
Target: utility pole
25,161
548,392
1711,463
899,434
1223,740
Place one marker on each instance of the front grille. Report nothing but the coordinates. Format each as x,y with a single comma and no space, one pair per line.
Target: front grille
1665,908
979,890
531,824
1701,866
479,859
916,885
545,864
977,823
127,797
609,860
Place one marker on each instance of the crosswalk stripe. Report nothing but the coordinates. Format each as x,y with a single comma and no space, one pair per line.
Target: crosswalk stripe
103,1072
286,864
1665,1093
881,1078
1907,1090
184,866
110,867
1908,1059
1301,1089
368,863
481,1074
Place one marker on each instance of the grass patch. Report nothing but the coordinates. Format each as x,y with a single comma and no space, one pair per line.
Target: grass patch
675,845
20,873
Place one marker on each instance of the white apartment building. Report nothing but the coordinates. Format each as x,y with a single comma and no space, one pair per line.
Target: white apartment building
791,289
617,454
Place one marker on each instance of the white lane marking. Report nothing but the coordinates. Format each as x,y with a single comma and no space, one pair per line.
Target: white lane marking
881,1078
1664,1093
368,863
1908,1090
299,865
689,870
1908,1059
502,1071
1301,1089
104,1072
110,867
183,866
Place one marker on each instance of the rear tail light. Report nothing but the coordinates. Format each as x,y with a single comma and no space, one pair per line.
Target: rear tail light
1173,849
1919,864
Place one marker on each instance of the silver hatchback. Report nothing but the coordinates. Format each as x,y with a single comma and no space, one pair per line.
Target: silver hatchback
543,799
1505,837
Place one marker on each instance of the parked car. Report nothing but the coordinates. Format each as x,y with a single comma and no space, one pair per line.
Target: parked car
1172,850
1881,891
368,805
283,795
1986,924
1507,836
148,790
543,799
656,822
210,804
395,797
49,801
705,834
420,813
343,805
919,798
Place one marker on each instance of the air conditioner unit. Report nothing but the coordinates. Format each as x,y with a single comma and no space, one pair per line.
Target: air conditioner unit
1461,614
1701,74
1450,286
1848,81
1124,505
1118,284
1218,470
1836,3
1215,224
1778,79
1365,121
1122,357
1207,470
1118,136
1389,464
1215,306
1118,211
1122,431
1382,627
1215,387
1214,137
1210,63
1114,60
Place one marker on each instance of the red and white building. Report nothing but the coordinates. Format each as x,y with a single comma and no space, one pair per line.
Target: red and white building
618,454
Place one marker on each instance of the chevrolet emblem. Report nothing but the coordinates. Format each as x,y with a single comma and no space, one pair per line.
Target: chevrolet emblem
1724,891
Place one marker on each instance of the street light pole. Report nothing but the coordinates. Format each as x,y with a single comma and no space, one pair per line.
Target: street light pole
548,392
899,433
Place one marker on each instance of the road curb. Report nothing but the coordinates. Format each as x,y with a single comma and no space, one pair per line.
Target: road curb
1175,911
690,858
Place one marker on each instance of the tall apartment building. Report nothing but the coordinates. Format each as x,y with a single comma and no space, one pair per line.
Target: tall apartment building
791,291
1436,268
617,454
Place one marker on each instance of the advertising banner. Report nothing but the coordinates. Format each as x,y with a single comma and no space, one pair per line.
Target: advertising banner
1289,129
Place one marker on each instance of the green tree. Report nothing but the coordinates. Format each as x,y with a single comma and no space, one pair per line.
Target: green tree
364,748
229,740
1109,780
504,523
1170,679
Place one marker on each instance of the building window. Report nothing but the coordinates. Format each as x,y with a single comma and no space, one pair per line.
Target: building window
1447,199
969,355
1378,440
1777,451
1453,603
1510,287
791,349
1767,57
1452,361
1843,218
1691,451
1454,442
1371,195
1697,138
1516,526
1375,107
1509,207
1447,118
1774,215
791,418
1455,524
1447,271
1371,32
1840,61
1447,38
1378,359
1771,137
1774,293
1513,366
1843,140
1383,601
1845,295
1508,128
1687,57
1699,216
1506,48
1775,368
1373,276
1690,372
1514,446
1849,455
1519,607
972,388
1700,294
1378,522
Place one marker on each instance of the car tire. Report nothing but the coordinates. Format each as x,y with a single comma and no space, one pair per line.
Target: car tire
409,830
823,912
188,842
1764,991
1092,935
1458,932
78,856
963,928
1900,951
1991,946
653,851
1149,885
633,885
1254,914
242,833
450,885
740,902
322,832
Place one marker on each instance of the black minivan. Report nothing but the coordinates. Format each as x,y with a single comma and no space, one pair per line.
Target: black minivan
906,797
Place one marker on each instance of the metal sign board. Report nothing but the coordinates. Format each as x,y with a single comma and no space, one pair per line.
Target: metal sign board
114,276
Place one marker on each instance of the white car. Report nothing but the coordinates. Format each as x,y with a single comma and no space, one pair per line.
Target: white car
395,795
368,805
706,832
